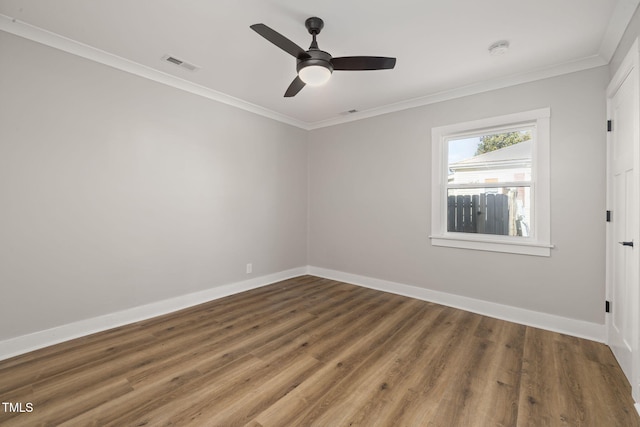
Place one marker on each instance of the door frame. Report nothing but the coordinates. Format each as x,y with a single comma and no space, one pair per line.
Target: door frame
629,68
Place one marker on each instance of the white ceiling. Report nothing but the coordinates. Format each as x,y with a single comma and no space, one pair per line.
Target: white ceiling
441,46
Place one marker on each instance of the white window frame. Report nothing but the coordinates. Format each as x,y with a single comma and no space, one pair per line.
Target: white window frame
539,242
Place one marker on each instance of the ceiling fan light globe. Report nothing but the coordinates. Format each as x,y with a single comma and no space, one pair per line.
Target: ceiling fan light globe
315,75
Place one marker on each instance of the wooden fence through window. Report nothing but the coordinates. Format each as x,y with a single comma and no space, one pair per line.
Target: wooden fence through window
479,213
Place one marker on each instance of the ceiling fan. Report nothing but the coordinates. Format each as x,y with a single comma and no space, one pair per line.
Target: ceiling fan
314,65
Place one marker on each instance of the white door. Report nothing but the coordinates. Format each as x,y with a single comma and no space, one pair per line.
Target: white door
623,247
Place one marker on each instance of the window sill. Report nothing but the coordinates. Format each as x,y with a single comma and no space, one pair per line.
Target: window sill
480,244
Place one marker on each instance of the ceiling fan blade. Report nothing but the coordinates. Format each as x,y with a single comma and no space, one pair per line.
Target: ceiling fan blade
356,63
279,40
296,86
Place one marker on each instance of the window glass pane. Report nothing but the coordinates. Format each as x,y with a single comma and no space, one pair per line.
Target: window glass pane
490,158
504,211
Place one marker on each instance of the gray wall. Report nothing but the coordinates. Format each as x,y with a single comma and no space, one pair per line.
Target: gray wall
116,191
370,192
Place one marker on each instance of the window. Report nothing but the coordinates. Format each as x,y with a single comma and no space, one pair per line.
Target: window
491,184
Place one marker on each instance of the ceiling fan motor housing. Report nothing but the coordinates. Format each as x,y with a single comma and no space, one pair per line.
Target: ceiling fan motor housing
317,58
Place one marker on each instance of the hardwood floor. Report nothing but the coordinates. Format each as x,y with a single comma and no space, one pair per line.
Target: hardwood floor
311,351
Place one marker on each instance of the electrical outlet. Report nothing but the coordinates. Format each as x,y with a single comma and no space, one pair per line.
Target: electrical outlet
249,268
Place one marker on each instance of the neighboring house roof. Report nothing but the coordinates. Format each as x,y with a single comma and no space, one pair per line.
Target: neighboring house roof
511,156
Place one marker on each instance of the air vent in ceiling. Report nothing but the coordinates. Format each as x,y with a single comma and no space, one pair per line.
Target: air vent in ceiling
180,63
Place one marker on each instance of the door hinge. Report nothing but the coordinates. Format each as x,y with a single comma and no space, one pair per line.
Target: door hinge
608,216
607,307
609,126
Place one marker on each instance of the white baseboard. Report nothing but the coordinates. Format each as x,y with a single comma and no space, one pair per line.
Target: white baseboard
564,325
25,343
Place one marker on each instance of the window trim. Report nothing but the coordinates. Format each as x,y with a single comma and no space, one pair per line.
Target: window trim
539,243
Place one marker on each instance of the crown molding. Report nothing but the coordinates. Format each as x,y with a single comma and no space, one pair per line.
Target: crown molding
622,15
486,86
48,38
617,25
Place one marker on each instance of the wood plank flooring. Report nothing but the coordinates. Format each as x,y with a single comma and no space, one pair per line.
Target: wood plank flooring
316,352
